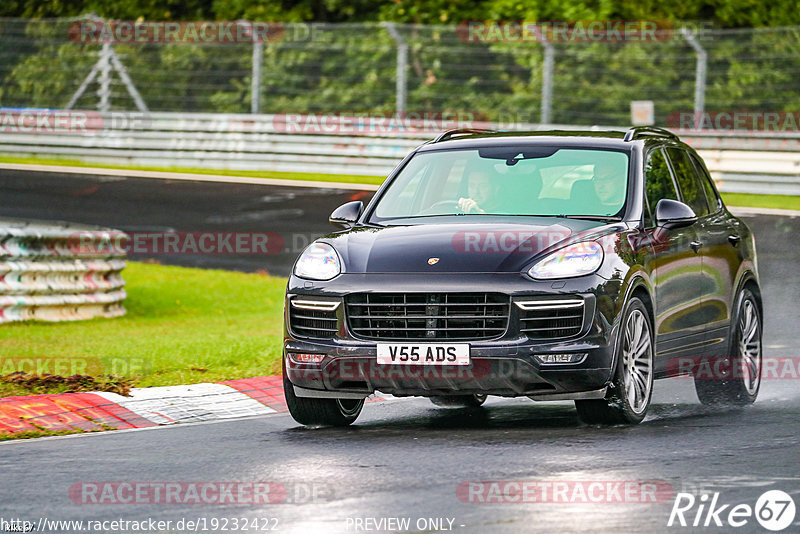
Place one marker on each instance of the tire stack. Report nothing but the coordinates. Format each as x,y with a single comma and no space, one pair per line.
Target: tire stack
60,272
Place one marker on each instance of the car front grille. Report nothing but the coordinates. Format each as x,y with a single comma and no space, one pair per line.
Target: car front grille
551,319
427,316
312,318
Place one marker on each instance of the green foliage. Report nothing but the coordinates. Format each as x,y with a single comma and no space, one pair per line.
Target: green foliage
720,13
349,67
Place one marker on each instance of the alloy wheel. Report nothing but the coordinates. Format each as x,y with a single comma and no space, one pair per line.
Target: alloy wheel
637,354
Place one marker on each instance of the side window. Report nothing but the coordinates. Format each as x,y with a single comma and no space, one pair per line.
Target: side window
712,196
658,184
689,183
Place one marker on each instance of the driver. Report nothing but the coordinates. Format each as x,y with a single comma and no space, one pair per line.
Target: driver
608,184
482,191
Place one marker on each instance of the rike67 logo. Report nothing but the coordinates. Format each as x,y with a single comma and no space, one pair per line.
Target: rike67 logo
774,510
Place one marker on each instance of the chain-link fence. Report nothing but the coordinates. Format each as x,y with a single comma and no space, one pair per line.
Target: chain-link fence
374,67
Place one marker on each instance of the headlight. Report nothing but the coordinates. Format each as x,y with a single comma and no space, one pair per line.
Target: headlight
318,262
575,260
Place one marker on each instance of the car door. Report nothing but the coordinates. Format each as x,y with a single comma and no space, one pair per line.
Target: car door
705,308
721,235
676,268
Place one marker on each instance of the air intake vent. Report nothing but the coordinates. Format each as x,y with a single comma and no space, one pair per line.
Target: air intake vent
551,319
313,318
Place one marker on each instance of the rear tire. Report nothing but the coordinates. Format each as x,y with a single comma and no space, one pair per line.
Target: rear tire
629,395
320,412
743,362
459,401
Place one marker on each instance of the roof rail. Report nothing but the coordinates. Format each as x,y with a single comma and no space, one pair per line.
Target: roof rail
445,136
634,132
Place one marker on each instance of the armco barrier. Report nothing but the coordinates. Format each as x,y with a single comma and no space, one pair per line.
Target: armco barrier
746,162
66,272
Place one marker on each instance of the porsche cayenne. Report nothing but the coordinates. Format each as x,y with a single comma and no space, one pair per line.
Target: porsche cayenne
553,265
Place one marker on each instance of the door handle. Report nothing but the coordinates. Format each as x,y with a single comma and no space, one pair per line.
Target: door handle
695,245
734,240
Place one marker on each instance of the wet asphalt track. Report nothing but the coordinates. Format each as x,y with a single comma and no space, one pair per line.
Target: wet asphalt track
405,459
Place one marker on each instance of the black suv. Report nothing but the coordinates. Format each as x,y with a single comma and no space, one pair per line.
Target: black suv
554,265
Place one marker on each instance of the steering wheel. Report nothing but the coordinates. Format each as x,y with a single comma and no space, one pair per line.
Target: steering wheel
442,204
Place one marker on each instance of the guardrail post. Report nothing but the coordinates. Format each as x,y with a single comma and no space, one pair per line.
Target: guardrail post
255,83
547,82
699,76
402,64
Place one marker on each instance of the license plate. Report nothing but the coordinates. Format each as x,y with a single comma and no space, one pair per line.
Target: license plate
423,353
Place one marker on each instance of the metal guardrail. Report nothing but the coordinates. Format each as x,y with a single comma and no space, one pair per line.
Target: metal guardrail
59,272
738,161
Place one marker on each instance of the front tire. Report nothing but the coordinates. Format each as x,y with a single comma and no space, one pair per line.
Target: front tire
743,362
459,401
629,395
320,412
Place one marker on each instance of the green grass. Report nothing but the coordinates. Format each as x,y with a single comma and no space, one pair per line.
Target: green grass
183,326
786,202
346,178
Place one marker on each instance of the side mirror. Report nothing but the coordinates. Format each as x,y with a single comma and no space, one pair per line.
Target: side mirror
346,215
674,214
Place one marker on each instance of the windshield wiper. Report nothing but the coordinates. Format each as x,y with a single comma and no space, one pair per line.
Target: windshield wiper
592,217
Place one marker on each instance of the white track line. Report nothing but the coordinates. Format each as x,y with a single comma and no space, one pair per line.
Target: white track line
187,176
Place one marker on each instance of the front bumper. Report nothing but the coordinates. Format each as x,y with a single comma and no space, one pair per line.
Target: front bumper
506,366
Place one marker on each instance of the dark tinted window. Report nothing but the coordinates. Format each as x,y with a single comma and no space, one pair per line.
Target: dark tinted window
658,184
711,193
688,181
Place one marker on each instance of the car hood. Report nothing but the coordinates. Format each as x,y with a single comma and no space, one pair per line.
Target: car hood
456,247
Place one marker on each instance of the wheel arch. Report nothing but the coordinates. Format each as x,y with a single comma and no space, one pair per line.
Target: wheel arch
636,285
748,281
639,285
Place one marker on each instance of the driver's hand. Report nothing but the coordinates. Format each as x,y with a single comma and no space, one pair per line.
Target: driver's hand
467,205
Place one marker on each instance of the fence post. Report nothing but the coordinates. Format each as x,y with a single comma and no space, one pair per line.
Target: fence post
699,77
105,79
402,62
255,83
107,59
547,82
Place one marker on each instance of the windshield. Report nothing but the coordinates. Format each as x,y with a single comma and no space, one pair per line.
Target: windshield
519,180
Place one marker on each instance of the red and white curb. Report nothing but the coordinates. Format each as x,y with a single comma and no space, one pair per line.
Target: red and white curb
145,407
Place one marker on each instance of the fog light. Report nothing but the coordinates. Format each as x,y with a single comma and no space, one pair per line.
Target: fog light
302,357
575,357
